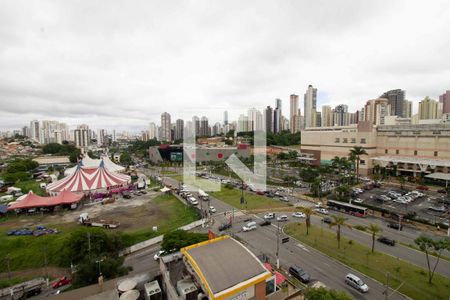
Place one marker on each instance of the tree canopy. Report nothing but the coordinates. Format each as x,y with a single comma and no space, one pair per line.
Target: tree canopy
325,294
178,239
64,149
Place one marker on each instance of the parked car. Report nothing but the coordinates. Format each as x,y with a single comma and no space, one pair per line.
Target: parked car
437,208
383,198
269,216
212,209
322,211
358,200
299,274
265,223
387,241
260,193
284,198
422,188
224,226
282,218
355,282
299,214
61,282
395,226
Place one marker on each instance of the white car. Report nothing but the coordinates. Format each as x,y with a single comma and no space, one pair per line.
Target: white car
158,254
212,209
269,216
284,198
282,218
356,283
358,200
322,211
299,214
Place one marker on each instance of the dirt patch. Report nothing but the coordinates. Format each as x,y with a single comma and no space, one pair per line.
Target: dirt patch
129,212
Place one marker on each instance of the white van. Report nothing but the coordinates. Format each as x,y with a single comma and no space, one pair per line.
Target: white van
355,282
193,201
249,226
6,198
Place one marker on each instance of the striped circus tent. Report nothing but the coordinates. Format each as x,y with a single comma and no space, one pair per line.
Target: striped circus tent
93,163
87,179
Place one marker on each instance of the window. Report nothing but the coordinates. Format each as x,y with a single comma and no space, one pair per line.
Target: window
363,141
415,152
337,140
353,140
362,161
386,151
435,153
397,151
345,140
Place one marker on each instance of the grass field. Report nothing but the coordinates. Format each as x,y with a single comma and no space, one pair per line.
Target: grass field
375,265
28,251
28,185
233,196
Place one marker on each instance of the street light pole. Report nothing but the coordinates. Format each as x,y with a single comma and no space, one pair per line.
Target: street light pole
278,243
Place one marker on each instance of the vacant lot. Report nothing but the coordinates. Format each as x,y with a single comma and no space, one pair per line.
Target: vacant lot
137,218
359,257
253,201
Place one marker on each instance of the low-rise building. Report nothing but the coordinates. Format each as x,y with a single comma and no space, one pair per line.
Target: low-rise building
409,148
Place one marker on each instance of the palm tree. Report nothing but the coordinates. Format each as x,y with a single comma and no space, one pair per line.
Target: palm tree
316,187
308,212
342,191
352,160
358,151
374,229
339,221
336,163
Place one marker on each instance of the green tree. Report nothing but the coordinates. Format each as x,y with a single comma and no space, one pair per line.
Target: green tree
316,187
357,151
125,158
339,221
428,245
374,229
308,212
325,294
177,239
342,192
402,181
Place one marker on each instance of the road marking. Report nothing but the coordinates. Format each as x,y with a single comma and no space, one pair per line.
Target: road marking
302,247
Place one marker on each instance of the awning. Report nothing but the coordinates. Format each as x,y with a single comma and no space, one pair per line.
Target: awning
32,200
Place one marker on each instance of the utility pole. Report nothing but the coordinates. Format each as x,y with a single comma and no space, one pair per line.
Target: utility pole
386,296
45,265
278,243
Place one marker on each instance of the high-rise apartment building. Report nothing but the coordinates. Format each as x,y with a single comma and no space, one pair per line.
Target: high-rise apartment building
340,115
204,127
82,136
327,116
152,131
35,130
101,137
165,132
216,129
179,128
445,100
395,99
268,115
430,109
242,125
407,109
196,125
310,104
277,116
225,118
294,113
376,110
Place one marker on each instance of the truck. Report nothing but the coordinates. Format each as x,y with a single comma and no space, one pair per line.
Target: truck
85,220
24,290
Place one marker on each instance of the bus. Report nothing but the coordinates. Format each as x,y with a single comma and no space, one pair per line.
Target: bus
348,208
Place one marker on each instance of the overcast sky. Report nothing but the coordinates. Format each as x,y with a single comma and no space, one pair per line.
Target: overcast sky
120,64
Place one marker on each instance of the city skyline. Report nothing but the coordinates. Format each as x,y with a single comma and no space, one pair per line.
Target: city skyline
123,74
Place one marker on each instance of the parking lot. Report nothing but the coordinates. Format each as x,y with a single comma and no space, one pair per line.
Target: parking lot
432,206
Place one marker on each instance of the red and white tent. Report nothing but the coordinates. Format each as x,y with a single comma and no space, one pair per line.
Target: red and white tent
88,162
32,200
89,179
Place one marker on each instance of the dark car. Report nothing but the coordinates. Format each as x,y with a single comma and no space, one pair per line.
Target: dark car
224,226
395,226
127,196
299,273
387,241
265,223
327,220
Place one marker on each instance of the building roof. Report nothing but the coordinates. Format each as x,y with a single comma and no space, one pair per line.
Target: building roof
52,160
31,200
437,175
413,160
224,265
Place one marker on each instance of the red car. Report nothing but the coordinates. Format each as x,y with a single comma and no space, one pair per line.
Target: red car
61,282
422,188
